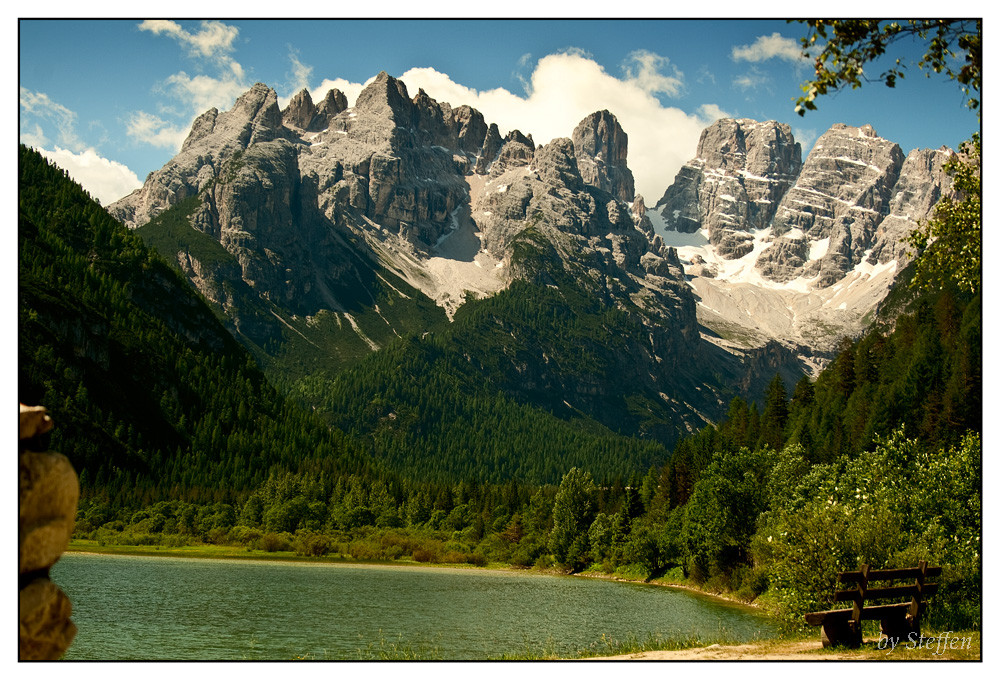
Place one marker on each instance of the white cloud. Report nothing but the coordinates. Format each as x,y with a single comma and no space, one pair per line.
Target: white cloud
769,47
41,108
568,86
104,179
35,137
643,67
149,129
214,40
301,74
751,81
712,113
200,93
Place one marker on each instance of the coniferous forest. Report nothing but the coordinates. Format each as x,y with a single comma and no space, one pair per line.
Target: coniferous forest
179,437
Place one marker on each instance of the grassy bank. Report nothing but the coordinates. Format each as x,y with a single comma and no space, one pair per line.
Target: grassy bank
228,552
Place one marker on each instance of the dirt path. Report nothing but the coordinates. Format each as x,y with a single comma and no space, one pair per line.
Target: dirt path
790,651
809,650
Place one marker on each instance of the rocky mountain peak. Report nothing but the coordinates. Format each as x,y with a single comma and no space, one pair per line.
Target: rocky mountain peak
809,247
300,110
385,97
302,114
733,187
556,164
601,147
333,103
256,112
841,196
202,127
922,183
517,150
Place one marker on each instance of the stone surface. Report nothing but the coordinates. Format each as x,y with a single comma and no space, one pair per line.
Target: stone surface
45,630
333,103
517,151
602,155
300,111
742,170
922,183
33,421
842,194
48,492
491,149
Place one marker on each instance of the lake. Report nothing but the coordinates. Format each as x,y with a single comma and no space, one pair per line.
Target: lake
159,608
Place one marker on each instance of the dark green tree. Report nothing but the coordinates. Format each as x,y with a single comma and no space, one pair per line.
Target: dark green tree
572,515
775,415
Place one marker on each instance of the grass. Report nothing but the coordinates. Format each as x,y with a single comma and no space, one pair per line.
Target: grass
229,552
608,646
935,645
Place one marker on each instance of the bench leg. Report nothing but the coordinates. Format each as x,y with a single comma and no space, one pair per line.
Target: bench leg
840,633
898,627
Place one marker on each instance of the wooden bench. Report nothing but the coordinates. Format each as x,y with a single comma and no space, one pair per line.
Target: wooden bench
843,626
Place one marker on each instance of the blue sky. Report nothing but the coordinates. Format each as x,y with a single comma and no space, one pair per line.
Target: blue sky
112,100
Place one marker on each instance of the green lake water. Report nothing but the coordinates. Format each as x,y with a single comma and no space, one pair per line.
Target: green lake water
159,608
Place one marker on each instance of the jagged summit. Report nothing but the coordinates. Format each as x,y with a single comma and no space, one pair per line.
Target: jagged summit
602,154
413,167
809,247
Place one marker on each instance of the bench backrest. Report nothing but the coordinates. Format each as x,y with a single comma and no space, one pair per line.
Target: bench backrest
918,590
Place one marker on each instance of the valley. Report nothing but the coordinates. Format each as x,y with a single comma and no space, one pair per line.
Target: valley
380,327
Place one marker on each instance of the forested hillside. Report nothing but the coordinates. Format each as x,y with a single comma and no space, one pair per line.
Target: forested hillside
153,398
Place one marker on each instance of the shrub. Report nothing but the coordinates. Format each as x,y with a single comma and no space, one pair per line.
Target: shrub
217,536
453,557
312,544
274,542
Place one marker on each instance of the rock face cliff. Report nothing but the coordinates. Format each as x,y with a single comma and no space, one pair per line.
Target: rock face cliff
48,491
776,244
840,197
602,155
286,193
733,187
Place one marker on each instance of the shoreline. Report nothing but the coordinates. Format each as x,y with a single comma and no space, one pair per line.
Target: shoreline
725,597
199,553
779,648
203,552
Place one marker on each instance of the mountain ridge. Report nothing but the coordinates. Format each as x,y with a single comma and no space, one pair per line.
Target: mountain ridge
335,214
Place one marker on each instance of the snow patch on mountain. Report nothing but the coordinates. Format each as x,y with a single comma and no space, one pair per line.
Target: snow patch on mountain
744,309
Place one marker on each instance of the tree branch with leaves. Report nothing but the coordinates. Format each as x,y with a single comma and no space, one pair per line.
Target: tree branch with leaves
950,243
954,48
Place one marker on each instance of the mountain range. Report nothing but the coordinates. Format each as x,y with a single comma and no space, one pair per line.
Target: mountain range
339,243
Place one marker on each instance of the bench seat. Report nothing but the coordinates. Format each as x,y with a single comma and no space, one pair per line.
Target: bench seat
876,613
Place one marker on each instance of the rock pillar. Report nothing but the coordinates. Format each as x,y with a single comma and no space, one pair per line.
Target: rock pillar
48,491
